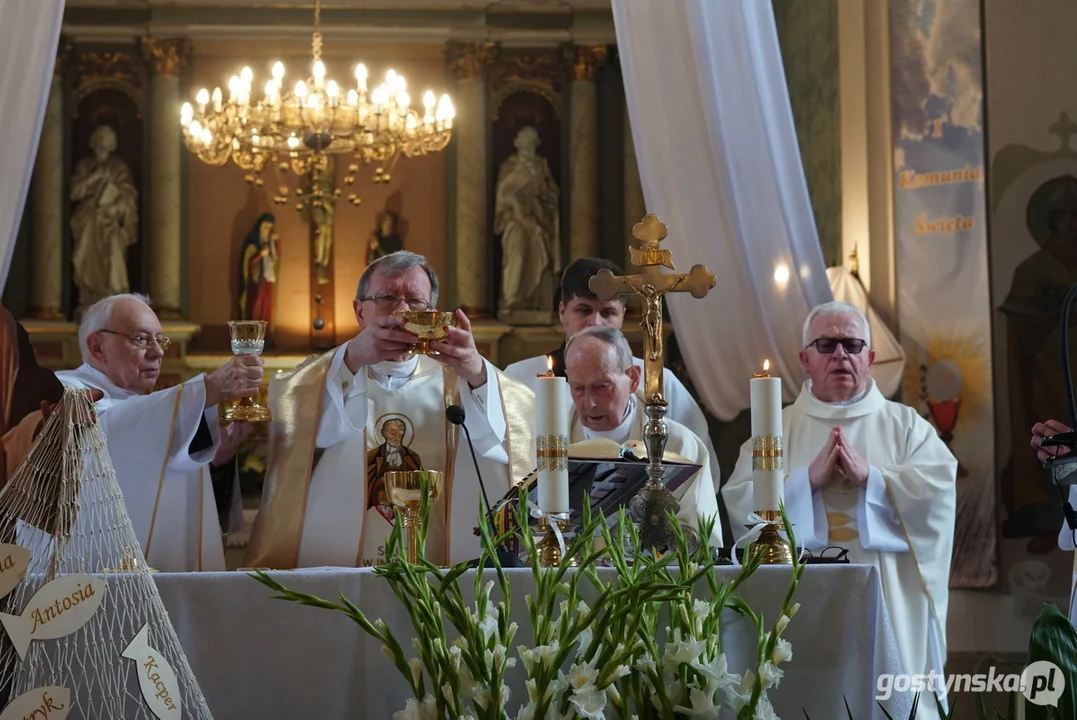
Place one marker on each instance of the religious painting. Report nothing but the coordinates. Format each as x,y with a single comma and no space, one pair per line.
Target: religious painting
393,433
259,269
941,256
105,228
527,207
386,238
1034,264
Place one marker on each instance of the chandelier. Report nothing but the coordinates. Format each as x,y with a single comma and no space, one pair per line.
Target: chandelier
299,129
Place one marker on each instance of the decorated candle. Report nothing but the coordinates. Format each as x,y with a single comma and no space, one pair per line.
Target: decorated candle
551,426
768,470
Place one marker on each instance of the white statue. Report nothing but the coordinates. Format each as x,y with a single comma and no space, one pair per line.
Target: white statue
105,222
526,217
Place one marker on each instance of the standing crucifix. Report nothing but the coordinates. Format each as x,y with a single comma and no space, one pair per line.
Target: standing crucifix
651,283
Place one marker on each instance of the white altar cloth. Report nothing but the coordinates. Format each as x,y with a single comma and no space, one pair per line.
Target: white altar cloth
256,657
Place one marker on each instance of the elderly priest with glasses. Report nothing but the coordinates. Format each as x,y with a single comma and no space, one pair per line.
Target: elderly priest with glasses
869,475
371,406
173,461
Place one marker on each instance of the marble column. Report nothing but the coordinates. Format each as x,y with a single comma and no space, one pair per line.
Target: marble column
48,207
165,223
583,152
469,61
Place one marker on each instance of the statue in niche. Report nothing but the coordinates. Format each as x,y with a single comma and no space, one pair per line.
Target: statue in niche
321,212
386,239
526,217
259,269
105,222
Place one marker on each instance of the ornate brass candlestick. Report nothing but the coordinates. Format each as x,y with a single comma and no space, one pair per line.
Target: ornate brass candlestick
428,326
652,503
404,488
248,338
772,548
549,549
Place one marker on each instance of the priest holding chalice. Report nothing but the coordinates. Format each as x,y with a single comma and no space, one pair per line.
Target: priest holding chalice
348,421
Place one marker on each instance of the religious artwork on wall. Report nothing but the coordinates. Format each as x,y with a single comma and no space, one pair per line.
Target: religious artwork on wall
105,220
259,269
320,212
386,238
527,219
392,453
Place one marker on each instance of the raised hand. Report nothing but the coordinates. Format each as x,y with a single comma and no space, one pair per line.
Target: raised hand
458,351
379,341
822,468
1046,429
240,377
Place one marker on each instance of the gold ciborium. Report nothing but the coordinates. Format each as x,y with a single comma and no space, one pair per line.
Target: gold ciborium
404,488
248,338
428,326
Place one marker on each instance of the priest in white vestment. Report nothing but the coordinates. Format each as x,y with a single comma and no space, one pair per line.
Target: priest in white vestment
608,404
580,308
370,406
163,443
868,475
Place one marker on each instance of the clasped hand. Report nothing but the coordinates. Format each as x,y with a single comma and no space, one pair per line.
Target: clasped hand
384,339
837,454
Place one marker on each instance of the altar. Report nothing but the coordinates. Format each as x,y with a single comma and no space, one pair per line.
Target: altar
256,657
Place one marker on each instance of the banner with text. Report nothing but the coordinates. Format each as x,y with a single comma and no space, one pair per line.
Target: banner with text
940,233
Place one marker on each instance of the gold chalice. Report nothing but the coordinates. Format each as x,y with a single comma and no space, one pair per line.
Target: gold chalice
428,326
248,338
404,488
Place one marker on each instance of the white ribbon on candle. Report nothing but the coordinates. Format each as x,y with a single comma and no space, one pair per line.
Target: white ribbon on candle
757,523
539,513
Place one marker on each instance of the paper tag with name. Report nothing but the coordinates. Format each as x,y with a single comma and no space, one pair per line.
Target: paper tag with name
156,678
48,703
59,608
14,559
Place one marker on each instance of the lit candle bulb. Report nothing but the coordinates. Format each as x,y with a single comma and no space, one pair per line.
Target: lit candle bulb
360,77
768,469
551,426
217,99
186,113
202,98
319,73
333,93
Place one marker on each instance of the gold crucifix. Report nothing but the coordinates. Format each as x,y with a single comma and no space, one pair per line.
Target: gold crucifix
651,284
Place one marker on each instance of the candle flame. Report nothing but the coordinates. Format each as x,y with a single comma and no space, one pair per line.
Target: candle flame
549,363
766,365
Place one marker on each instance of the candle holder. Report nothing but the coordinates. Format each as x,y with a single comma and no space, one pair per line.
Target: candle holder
770,546
404,488
549,549
652,505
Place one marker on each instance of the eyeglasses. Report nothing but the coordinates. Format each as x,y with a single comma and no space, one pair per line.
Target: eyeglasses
826,346
831,553
385,303
142,340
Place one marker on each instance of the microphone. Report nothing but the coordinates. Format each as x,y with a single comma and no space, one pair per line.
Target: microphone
456,415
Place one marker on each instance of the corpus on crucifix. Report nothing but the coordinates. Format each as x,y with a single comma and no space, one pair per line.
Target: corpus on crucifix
652,284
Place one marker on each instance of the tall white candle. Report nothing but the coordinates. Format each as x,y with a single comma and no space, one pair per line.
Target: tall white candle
768,475
551,426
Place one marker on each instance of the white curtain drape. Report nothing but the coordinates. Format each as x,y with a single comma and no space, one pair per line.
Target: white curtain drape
29,32
719,164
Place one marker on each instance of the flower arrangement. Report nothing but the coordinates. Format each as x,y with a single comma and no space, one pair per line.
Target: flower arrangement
603,658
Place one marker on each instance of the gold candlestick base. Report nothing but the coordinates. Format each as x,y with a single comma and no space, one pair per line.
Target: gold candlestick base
404,488
549,551
770,546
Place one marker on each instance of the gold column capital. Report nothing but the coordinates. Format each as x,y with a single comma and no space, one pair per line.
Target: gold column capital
586,59
166,56
469,60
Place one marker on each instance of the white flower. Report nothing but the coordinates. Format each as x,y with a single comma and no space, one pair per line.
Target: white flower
783,621
678,653
783,651
590,703
619,672
581,608
582,677
548,653
455,658
770,675
764,710
645,664
380,626
416,670
480,694
488,626
510,632
416,645
737,700
584,638
717,674
416,711
529,656
532,691
388,653
793,610
447,693
527,712
701,610
702,705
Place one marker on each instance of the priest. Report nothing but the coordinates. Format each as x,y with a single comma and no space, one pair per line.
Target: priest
1067,536
608,404
869,475
370,406
580,308
162,444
